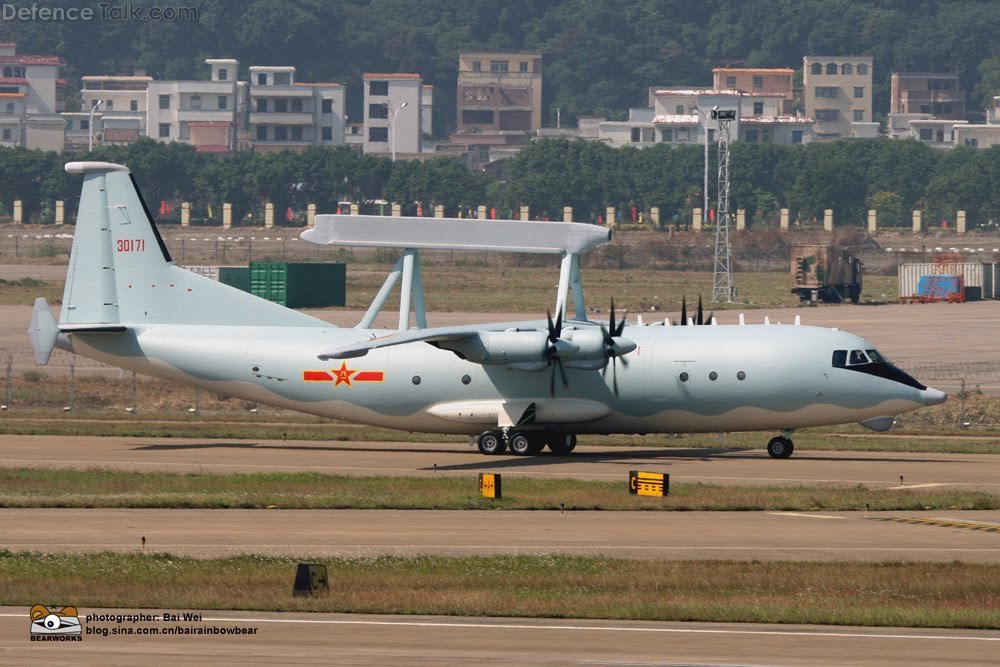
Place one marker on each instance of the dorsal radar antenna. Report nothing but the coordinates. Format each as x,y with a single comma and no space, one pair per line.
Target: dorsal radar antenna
412,234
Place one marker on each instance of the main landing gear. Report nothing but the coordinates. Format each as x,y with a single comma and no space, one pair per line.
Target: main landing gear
525,443
780,447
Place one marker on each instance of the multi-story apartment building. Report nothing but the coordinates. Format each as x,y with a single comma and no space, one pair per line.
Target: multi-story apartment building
771,82
499,102
937,94
288,115
920,97
30,100
202,113
394,114
119,104
682,116
499,92
838,95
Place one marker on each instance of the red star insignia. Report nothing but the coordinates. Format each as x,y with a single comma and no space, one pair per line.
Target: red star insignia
343,375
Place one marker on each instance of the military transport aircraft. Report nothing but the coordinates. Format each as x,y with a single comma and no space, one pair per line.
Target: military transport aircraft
127,304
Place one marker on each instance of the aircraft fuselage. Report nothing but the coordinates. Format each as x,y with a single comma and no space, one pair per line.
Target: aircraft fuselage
678,379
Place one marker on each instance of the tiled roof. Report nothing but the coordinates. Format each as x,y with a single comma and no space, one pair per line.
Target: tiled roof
332,83
13,79
209,123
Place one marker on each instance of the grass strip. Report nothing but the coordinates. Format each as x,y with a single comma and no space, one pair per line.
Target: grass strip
241,427
102,488
946,595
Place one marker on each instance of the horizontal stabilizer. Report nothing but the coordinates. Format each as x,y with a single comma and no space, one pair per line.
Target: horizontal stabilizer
456,234
43,331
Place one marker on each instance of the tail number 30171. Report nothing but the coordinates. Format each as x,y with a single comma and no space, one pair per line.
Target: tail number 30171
131,245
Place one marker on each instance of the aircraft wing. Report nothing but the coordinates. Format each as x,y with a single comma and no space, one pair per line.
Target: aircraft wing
440,336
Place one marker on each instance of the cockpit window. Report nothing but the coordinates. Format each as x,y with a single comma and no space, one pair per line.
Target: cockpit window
876,357
872,362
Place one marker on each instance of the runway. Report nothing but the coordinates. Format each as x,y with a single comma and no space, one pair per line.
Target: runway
706,465
972,536
347,639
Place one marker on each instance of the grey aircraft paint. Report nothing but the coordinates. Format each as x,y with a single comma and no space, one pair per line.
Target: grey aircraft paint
127,304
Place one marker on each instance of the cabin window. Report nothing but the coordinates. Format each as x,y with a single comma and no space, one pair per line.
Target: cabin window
839,358
858,357
713,376
466,379
683,377
415,379
741,376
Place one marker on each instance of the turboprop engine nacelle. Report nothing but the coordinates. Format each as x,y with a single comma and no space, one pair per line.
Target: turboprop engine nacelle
512,347
532,350
595,348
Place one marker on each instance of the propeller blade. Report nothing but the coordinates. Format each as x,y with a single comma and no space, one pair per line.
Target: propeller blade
611,324
701,313
562,373
548,317
711,316
684,311
557,332
614,374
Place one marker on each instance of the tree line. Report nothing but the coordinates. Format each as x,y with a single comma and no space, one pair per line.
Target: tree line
850,177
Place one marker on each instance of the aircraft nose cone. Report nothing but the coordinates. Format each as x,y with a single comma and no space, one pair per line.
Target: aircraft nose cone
934,396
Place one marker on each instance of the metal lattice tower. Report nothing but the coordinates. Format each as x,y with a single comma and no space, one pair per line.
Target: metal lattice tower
723,288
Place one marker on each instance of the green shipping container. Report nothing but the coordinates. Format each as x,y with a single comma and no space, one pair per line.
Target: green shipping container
235,276
300,285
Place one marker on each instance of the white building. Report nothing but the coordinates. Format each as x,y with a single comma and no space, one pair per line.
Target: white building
838,93
30,100
394,114
949,133
286,115
683,116
119,104
201,113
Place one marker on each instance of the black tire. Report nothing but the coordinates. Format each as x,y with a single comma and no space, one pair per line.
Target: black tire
521,444
780,447
562,443
491,443
537,443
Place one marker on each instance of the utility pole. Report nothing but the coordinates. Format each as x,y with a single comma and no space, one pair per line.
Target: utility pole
723,288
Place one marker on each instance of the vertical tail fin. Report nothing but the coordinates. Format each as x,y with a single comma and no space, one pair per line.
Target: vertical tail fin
120,271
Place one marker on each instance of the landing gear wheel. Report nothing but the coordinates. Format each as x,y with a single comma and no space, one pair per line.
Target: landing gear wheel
491,443
524,444
780,447
562,443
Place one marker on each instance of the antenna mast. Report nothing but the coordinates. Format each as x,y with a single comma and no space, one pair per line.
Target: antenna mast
723,288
